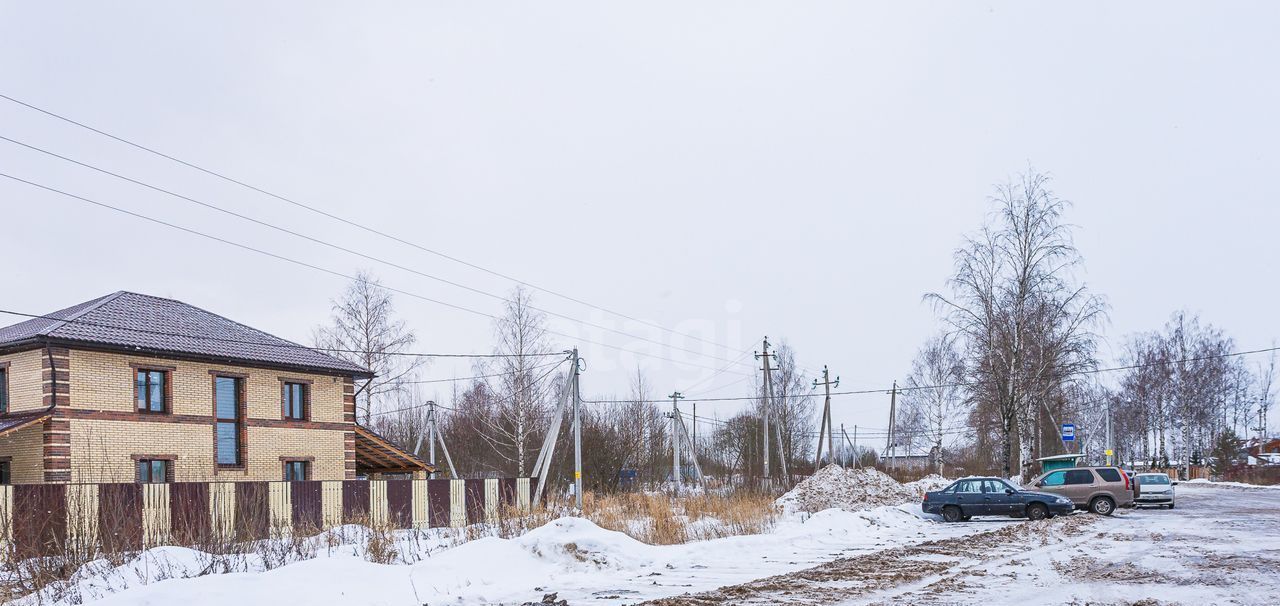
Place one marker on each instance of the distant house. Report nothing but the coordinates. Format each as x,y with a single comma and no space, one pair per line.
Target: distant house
906,457
130,387
1262,451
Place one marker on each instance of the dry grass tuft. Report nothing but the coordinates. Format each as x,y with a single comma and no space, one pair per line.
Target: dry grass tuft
663,519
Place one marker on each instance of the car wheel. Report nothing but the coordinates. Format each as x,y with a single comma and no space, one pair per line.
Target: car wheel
951,513
1170,505
1102,506
1037,511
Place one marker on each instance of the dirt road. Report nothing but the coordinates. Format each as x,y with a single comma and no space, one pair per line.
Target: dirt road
1220,546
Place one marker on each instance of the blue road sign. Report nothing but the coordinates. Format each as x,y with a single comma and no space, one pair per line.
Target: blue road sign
1068,432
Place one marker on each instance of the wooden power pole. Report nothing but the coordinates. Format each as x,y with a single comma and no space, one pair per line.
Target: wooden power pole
824,426
891,447
675,437
764,415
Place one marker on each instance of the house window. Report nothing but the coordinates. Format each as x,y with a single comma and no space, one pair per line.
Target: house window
295,471
154,471
4,390
4,473
295,402
151,389
230,422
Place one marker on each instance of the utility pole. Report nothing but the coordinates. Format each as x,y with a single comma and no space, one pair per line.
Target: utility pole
1110,445
844,452
693,442
434,435
675,438
431,432
577,430
857,456
824,426
764,416
890,447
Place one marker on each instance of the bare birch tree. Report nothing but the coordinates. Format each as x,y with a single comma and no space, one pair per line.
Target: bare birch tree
521,389
934,393
364,330
1026,323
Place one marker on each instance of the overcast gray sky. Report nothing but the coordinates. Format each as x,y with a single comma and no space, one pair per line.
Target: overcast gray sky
733,169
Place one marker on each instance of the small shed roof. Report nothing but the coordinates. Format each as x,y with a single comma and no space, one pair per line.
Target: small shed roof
10,423
1062,457
376,454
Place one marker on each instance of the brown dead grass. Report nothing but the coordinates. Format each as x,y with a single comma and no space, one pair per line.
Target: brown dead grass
663,519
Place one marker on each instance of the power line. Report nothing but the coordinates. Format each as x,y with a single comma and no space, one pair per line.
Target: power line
969,384
352,223
324,269
477,377
499,401
350,251
280,345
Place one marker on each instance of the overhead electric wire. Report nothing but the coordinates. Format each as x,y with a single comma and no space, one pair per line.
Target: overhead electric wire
350,251
324,269
350,222
477,377
901,388
499,401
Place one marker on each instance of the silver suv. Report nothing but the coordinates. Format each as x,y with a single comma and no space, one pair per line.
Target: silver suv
1155,489
1098,489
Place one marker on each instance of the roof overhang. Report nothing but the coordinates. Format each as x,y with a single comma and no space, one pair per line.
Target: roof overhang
10,423
376,454
1062,457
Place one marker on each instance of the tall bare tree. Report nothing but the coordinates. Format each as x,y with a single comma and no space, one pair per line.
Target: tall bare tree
1027,324
934,393
364,330
522,386
1266,392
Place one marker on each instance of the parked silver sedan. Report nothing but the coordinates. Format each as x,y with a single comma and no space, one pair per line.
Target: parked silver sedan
1155,489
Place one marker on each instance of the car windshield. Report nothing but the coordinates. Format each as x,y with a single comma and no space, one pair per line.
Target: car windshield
1155,478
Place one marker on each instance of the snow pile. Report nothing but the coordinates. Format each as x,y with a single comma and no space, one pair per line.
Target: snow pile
847,489
577,543
930,483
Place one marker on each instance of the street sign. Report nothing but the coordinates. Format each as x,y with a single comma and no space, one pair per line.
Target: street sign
1068,432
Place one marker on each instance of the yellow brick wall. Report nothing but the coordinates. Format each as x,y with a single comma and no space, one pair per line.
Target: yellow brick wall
24,380
26,448
104,381
102,449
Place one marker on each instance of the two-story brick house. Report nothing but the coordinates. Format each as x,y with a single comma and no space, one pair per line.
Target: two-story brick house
131,387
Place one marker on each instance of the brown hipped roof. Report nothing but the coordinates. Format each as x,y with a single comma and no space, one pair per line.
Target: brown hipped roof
136,323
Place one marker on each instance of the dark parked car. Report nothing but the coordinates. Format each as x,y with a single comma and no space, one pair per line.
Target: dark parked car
970,497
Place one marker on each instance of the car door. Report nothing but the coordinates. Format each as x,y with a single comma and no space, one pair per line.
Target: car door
997,500
1079,485
969,497
1055,482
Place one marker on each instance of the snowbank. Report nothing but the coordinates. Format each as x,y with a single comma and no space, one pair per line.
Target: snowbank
1203,482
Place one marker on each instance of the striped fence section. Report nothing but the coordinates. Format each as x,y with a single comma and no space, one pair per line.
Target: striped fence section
45,519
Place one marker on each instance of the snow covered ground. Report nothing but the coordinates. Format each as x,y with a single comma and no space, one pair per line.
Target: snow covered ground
570,557
1220,546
